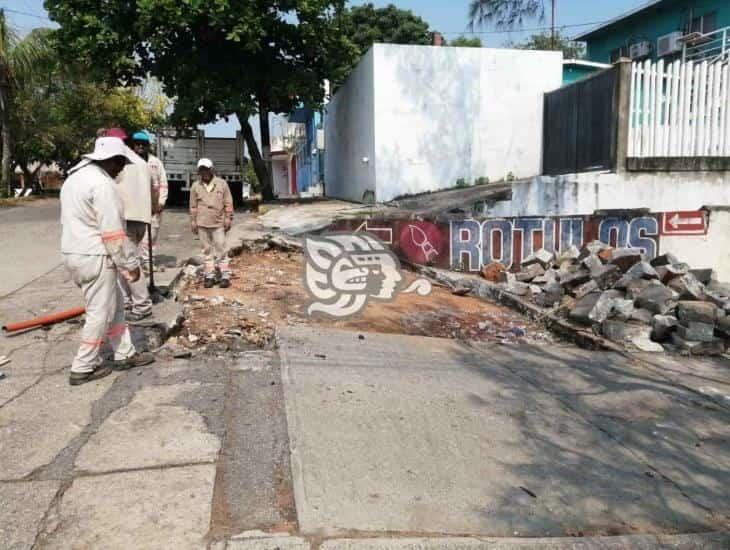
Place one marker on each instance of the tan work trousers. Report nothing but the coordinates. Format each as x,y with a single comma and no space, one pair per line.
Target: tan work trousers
96,276
144,247
213,240
136,295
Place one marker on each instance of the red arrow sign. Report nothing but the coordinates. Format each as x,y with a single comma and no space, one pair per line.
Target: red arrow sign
684,223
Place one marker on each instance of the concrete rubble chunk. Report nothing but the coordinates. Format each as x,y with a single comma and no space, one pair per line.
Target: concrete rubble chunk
664,259
656,298
642,270
632,334
625,258
633,287
623,309
585,289
722,302
535,290
570,280
606,276
542,257
641,315
493,271
716,347
662,327
662,272
688,287
674,270
592,248
592,263
518,288
530,272
605,254
703,275
547,299
583,307
550,276
697,332
722,326
721,289
600,309
697,312
569,254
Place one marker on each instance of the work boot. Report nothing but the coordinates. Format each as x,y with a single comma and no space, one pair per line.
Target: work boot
78,378
209,282
139,359
135,316
225,283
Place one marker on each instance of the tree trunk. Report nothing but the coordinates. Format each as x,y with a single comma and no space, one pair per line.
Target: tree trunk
266,143
6,181
259,165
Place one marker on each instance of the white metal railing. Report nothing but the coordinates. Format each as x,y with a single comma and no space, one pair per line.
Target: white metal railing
712,46
681,109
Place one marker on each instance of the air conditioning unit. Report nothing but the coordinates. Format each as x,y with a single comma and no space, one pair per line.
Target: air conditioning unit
640,50
669,44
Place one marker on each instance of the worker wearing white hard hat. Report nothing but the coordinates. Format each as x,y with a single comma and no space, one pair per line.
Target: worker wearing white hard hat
211,215
95,249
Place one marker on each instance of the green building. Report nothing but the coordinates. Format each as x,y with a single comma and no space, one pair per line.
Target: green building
663,29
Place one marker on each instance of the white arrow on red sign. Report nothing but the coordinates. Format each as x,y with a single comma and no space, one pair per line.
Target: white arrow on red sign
684,223
385,234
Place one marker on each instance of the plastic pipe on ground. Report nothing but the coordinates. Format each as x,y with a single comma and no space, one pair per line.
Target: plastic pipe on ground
45,320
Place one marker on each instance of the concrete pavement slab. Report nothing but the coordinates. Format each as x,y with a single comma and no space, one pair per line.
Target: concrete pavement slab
636,542
167,508
22,507
268,543
36,426
172,434
11,386
421,435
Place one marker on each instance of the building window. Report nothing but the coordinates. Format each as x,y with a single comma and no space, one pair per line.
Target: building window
704,24
618,53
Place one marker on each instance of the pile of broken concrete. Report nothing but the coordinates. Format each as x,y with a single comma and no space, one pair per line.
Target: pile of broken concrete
650,305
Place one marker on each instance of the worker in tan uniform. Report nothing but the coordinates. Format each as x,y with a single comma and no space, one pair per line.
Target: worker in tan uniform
211,215
95,251
135,189
141,144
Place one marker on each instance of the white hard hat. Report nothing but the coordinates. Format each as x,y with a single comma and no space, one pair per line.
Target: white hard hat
205,163
108,147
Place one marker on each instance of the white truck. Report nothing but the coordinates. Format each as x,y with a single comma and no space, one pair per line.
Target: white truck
181,150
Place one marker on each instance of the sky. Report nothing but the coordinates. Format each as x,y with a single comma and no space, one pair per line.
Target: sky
447,16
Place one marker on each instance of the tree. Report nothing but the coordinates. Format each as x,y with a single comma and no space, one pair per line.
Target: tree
215,58
366,25
466,42
18,66
545,41
506,14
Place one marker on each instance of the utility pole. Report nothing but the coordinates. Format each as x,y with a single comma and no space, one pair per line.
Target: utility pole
552,24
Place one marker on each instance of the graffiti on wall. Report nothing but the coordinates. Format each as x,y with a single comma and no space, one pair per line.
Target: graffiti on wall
469,244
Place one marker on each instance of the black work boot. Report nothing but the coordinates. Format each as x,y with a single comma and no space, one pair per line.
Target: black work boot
78,378
225,283
139,359
209,282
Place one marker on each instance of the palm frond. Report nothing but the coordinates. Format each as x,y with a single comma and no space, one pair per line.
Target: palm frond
504,14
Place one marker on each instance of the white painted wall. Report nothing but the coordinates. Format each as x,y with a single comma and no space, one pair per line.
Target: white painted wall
447,113
583,194
426,116
350,136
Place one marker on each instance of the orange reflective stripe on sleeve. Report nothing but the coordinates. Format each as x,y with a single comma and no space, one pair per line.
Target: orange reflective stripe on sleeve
91,343
113,235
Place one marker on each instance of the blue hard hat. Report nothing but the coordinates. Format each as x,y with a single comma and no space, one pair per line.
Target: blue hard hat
141,136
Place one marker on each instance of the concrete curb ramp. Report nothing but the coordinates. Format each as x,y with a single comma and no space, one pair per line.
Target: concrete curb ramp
634,542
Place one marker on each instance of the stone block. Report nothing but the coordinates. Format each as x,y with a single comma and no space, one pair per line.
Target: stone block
580,312
672,271
722,326
656,298
604,305
493,272
634,287
688,287
664,259
592,248
569,280
547,299
591,263
641,315
642,270
570,254
542,257
623,309
716,347
535,290
630,334
530,272
703,275
585,289
697,312
518,288
662,327
721,289
550,276
625,258
697,332
606,276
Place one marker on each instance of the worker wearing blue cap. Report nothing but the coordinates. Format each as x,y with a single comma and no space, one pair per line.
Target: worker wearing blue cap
141,143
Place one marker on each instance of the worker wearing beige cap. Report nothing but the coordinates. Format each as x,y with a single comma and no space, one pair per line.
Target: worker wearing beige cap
211,215
95,249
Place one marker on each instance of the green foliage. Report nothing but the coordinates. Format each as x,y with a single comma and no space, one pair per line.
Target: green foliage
510,177
366,25
249,176
461,183
466,42
544,41
482,181
505,14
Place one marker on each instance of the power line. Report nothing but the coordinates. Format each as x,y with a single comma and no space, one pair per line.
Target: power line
535,29
27,14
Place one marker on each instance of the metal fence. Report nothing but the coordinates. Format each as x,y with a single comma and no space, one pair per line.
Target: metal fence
579,125
681,109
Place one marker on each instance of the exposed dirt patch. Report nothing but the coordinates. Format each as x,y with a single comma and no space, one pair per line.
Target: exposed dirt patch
267,290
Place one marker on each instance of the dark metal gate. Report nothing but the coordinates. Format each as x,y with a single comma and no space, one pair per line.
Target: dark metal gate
580,124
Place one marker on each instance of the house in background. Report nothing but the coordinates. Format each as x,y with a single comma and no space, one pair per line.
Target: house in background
414,119
578,69
663,29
